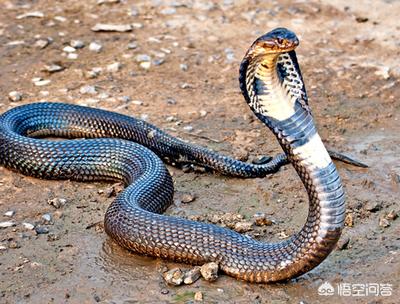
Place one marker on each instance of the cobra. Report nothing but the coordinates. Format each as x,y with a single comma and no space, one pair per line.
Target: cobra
114,149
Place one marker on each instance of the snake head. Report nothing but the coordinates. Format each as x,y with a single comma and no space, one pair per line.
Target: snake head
279,40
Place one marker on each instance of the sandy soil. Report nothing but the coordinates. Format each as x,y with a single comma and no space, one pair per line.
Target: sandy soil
349,57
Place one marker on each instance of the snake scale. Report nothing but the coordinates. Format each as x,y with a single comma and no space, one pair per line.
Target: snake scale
119,147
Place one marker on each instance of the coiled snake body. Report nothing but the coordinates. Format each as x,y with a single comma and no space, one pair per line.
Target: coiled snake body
271,82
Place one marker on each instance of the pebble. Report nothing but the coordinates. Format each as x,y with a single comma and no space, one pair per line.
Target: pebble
383,222
184,67
53,68
203,113
373,206
171,101
2,247
188,128
125,99
132,45
77,44
114,67
94,72
88,89
57,202
242,227
39,82
15,96
209,271
105,27
392,215
198,296
145,65
28,226
60,18
42,43
192,275
168,11
137,102
159,61
348,221
343,243
174,276
95,47
46,218
187,198
14,245
42,230
143,58
260,219
7,224
34,14
9,213
69,49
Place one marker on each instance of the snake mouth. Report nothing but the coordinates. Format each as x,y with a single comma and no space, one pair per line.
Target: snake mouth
279,40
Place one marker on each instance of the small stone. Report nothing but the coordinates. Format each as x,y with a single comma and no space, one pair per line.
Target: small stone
114,67
185,85
46,218
42,43
34,14
72,56
188,128
159,61
343,243
192,275
143,58
164,291
203,113
260,219
9,213
132,45
77,44
209,271
39,82
7,224
103,27
60,18
392,215
93,73
88,90
198,296
42,230
168,11
53,68
373,206
348,221
28,226
125,99
15,96
57,202
137,102
171,101
174,277
183,67
187,198
95,47
242,227
145,65
2,248
14,245
383,222
69,49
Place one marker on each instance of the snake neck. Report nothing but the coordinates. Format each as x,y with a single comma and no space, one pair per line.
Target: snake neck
273,87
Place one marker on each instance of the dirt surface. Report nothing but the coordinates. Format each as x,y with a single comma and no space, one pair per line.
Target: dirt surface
349,58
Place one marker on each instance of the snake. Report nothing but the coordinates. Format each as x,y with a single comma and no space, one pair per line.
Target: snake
104,145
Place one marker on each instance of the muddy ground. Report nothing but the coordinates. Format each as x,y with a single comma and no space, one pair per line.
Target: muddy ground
349,57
